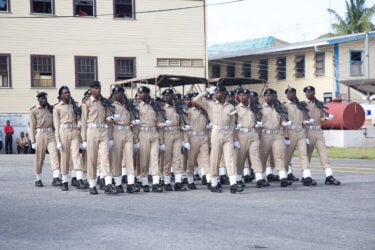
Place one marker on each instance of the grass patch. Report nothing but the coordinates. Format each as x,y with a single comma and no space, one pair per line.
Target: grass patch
351,153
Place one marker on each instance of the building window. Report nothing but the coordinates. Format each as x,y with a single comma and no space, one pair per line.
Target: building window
42,71
215,70
42,6
356,63
86,70
177,62
84,8
124,9
263,69
124,68
246,69
231,70
320,64
5,79
4,6
281,68
300,66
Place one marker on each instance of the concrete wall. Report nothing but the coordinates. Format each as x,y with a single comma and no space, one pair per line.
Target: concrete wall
350,138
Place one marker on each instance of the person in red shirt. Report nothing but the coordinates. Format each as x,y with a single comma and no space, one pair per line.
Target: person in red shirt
9,131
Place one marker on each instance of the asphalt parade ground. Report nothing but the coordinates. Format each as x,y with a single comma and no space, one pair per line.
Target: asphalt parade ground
296,217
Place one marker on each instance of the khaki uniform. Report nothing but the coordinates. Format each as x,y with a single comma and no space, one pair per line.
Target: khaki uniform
271,139
148,138
42,134
172,141
22,144
316,135
198,139
68,134
123,138
297,136
94,130
248,137
222,135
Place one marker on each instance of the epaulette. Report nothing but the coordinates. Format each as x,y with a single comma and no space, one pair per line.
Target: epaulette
33,107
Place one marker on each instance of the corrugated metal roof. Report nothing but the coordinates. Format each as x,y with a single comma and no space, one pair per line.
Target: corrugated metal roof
288,47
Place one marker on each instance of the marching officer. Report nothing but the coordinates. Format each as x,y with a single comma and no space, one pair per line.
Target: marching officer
222,117
95,138
42,138
298,115
148,138
122,135
66,115
315,133
271,139
248,136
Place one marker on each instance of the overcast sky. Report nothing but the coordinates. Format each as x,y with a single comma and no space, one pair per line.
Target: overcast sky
288,20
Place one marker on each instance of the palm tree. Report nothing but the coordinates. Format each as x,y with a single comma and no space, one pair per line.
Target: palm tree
357,18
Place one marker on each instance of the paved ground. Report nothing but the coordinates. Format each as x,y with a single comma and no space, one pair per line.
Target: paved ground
297,217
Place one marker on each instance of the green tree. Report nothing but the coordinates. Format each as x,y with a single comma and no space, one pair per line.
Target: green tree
357,18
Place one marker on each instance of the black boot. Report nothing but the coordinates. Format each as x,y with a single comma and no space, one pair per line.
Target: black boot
332,181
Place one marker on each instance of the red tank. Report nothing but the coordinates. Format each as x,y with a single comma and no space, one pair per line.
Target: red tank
347,115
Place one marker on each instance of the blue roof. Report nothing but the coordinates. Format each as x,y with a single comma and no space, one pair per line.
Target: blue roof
243,45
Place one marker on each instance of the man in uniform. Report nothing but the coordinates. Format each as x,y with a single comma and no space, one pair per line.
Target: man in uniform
42,138
22,143
148,138
172,141
316,135
66,115
248,137
297,114
222,117
95,138
271,140
123,137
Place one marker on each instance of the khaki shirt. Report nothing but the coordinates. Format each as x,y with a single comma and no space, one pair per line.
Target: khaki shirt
22,142
315,113
39,118
172,115
147,115
270,117
220,114
245,116
196,119
63,114
125,116
294,113
92,112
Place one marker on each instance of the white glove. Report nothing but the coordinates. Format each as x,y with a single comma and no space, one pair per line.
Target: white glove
168,123
187,128
135,146
136,122
58,145
236,144
210,125
286,141
110,144
182,144
211,90
307,141
162,147
330,117
116,117
238,126
187,146
33,145
311,120
288,124
259,124
84,145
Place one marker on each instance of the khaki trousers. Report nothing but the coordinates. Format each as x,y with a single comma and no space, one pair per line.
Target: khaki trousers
297,140
272,144
222,144
198,153
45,141
317,140
122,149
148,152
172,153
97,152
70,140
249,149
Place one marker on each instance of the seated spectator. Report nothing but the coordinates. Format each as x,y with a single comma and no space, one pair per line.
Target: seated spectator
22,143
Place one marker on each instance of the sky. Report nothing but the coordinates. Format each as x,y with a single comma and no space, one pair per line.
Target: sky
288,20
